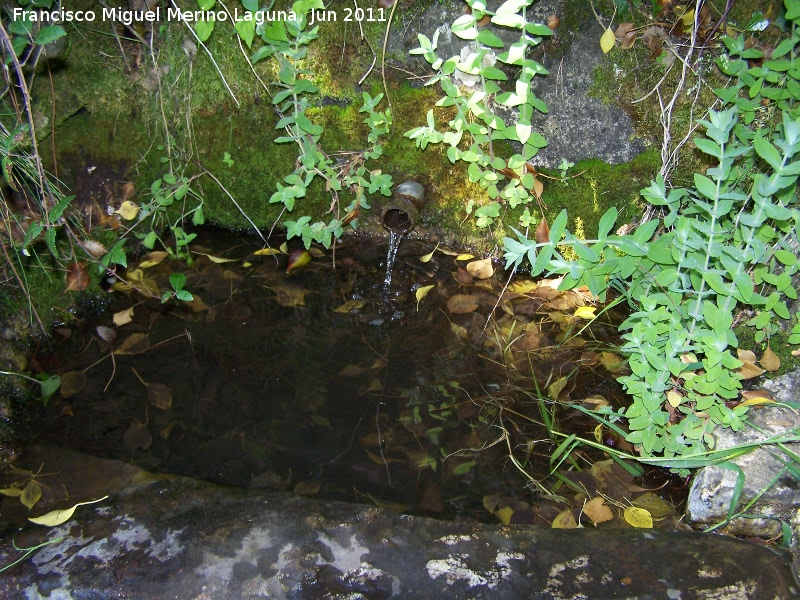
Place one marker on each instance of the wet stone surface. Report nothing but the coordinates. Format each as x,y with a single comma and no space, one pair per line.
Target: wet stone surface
179,538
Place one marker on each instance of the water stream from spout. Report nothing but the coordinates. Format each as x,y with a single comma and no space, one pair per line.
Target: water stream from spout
395,237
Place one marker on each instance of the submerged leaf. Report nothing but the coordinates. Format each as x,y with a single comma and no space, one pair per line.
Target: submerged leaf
31,494
122,317
564,520
72,382
137,436
136,343
462,304
481,269
290,295
429,256
350,306
159,395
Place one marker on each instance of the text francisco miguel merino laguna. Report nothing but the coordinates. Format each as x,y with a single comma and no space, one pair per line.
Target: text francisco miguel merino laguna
127,17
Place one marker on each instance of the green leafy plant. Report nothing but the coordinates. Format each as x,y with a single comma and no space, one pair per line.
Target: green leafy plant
477,124
177,281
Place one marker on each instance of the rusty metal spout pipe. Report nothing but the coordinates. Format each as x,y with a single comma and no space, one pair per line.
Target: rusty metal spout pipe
401,212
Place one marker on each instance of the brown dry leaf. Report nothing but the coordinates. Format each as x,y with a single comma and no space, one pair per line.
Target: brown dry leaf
137,437
538,188
159,395
748,370
307,487
30,494
95,249
597,510
533,339
770,360
542,233
350,306
77,277
626,35
564,520
72,382
127,190
290,295
122,317
481,269
462,304
136,343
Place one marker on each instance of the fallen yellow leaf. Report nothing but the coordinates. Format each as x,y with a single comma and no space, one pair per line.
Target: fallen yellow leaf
57,517
585,312
422,292
607,41
428,257
127,210
638,517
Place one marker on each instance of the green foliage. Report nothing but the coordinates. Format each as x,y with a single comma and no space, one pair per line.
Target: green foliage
476,126
725,243
177,281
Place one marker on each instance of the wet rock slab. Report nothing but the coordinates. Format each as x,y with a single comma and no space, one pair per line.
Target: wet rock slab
182,538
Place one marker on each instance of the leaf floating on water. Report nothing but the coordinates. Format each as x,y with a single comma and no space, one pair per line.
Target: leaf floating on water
461,304
428,257
564,520
57,517
268,252
136,343
122,317
11,492
350,306
597,510
465,256
769,360
481,269
422,292
31,494
638,517
216,259
72,382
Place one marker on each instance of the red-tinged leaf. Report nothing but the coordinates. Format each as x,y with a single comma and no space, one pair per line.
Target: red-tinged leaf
297,259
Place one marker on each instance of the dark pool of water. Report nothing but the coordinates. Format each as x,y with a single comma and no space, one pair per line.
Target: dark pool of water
321,382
